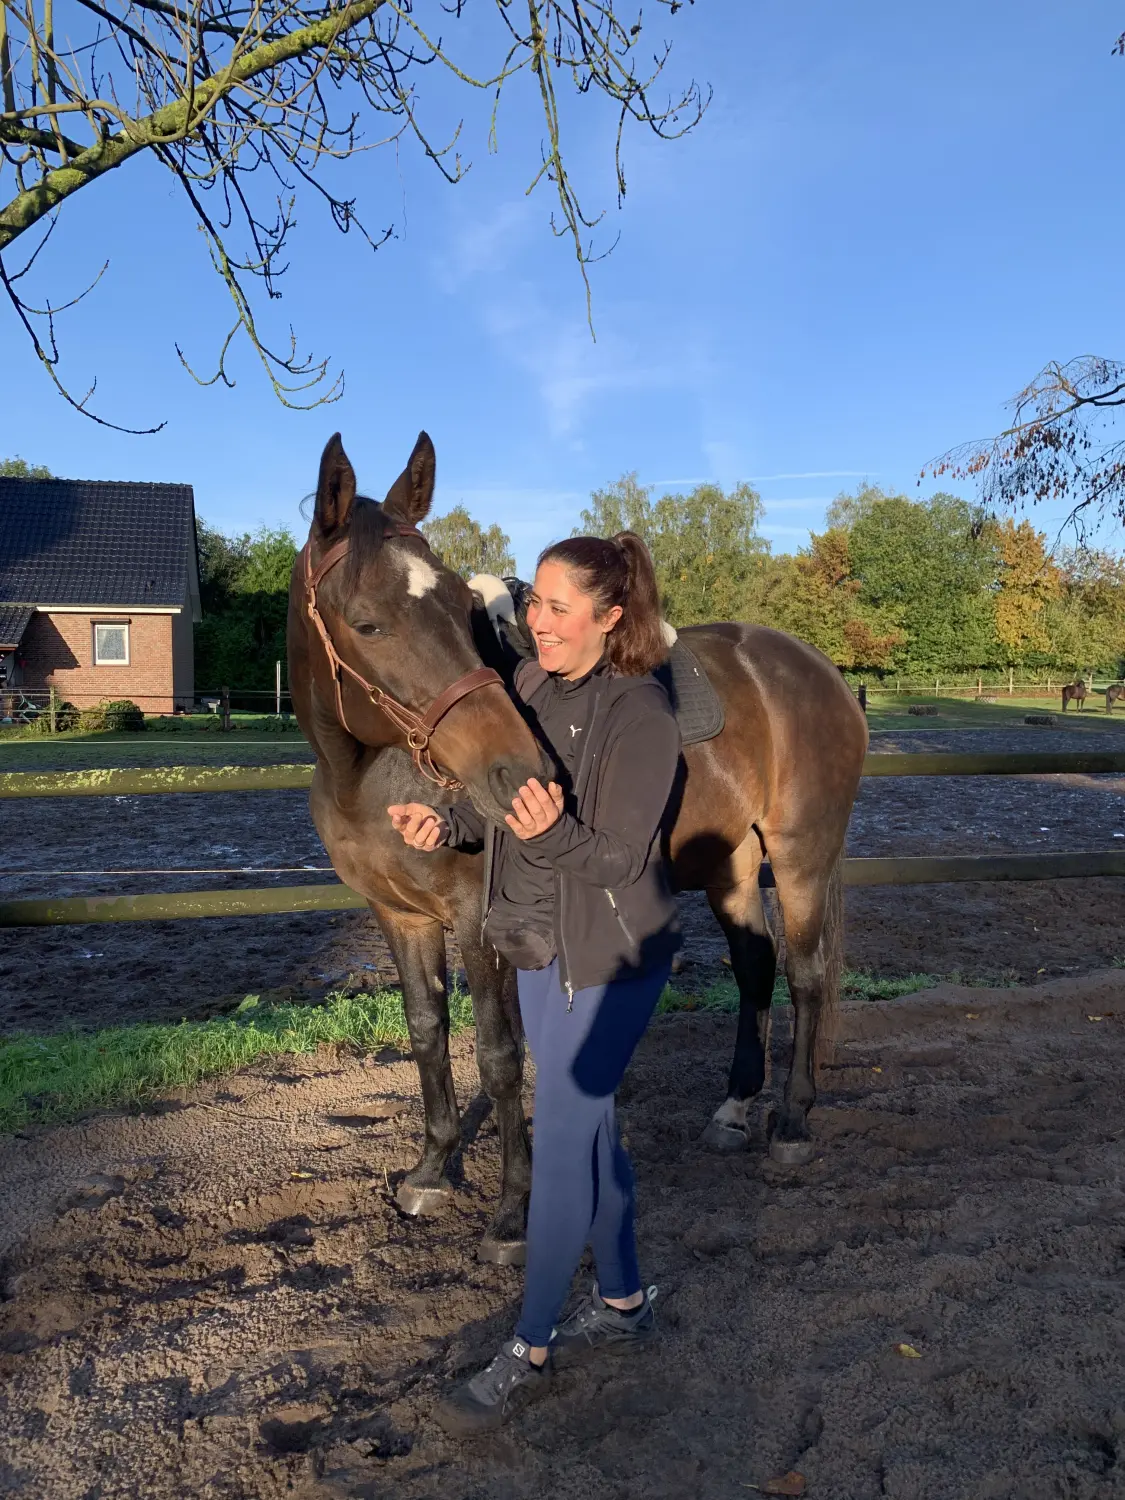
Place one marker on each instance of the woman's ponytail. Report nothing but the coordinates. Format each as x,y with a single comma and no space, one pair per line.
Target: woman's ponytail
618,572
636,643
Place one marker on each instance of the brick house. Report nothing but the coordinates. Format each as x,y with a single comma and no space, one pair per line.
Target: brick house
99,590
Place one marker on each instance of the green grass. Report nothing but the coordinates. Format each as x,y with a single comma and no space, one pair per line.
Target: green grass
50,1079
54,1078
889,712
722,996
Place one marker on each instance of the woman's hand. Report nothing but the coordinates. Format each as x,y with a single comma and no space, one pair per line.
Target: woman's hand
535,809
421,827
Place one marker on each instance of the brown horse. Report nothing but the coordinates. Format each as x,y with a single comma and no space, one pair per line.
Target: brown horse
391,626
1112,693
1074,692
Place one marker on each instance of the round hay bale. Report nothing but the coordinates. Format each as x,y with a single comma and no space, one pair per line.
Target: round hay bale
922,710
1046,719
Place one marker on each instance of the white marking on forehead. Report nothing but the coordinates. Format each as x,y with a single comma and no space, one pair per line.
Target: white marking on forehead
421,576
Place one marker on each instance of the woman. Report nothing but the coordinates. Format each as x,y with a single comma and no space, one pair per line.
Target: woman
577,897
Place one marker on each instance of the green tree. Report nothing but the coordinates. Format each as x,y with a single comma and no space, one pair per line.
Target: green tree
19,468
1085,620
464,545
244,590
926,569
705,545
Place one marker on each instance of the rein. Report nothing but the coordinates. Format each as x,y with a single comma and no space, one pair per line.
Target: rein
418,728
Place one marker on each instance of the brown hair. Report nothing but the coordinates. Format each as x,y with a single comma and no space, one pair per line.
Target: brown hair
618,571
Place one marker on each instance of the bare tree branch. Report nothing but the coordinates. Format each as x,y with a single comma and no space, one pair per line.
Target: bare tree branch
246,100
1061,444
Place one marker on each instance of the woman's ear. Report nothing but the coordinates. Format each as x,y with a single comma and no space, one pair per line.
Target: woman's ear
610,618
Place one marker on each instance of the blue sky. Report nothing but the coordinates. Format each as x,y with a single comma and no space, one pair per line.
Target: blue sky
889,219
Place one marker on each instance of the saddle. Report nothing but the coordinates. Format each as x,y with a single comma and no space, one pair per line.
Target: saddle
694,700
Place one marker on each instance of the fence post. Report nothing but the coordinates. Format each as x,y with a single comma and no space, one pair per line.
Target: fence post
277,688
863,696
53,709
226,708
1011,674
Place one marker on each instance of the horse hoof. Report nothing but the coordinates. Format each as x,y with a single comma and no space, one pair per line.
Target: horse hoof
726,1139
502,1252
423,1201
792,1153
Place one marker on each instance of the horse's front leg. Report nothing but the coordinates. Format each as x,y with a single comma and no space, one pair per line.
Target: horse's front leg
418,946
492,983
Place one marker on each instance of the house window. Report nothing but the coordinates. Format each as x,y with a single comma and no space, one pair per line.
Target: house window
111,644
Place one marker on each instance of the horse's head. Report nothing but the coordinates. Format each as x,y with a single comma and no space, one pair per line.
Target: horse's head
401,621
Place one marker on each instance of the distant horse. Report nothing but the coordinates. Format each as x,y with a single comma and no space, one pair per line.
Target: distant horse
1074,692
388,683
1112,693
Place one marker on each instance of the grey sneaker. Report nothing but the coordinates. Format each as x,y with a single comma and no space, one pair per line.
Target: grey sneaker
502,1388
596,1325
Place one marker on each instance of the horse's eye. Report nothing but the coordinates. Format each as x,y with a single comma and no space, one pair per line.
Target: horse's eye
367,628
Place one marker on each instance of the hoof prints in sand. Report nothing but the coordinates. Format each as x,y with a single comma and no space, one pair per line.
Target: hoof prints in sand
186,1316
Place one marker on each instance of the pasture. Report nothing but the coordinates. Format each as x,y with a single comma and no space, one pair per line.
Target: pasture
214,1293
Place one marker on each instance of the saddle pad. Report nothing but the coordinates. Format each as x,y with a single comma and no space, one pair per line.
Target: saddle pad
695,702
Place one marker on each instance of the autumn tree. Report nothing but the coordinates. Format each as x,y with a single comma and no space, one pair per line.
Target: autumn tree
818,598
1027,582
465,546
705,544
252,107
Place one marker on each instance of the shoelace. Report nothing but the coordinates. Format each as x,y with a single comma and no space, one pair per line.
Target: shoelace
498,1376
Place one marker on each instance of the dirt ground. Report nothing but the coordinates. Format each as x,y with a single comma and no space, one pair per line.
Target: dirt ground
98,974
219,1298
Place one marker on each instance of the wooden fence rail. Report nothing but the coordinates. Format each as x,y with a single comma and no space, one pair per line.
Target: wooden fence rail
334,896
161,780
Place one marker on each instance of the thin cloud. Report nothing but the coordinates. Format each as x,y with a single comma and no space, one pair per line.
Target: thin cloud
816,474
769,478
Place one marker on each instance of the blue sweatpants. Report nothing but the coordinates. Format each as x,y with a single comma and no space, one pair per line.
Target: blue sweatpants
581,1176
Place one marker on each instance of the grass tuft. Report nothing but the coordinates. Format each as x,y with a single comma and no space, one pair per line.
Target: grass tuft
56,1078
50,1079
722,996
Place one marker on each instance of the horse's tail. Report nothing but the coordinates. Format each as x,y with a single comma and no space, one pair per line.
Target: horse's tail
832,952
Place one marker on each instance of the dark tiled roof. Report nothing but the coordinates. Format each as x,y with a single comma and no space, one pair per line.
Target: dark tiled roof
77,541
13,623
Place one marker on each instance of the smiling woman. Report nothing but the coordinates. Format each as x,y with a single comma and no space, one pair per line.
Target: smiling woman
577,898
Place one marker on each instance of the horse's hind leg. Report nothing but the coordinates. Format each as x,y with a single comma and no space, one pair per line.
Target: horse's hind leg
418,946
812,905
753,957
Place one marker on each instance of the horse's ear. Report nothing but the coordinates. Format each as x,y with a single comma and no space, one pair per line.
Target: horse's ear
335,488
410,497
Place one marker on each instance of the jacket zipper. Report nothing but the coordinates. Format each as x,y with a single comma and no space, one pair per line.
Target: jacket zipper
578,789
620,918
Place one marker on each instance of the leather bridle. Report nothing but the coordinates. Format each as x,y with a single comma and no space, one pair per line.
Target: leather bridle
417,728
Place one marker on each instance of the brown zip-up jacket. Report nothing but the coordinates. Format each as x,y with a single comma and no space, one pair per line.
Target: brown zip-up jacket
615,916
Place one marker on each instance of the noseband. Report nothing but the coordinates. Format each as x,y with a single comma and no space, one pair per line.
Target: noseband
416,727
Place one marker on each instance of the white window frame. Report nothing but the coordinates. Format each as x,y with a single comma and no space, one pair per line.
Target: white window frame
114,661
